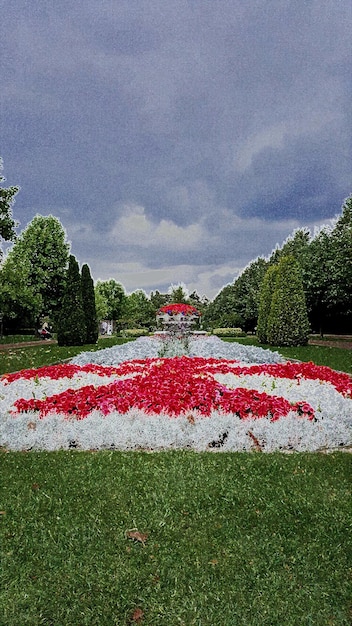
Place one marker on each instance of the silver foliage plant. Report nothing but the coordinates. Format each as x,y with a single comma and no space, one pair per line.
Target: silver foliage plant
219,432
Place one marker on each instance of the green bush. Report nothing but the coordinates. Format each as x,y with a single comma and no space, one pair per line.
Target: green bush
88,298
72,327
229,332
266,296
288,323
134,332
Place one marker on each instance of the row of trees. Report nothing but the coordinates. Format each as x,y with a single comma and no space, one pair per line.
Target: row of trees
38,279
282,315
38,272
77,322
137,310
33,274
325,264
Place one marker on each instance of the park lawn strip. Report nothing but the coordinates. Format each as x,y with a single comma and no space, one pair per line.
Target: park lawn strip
224,539
16,359
19,358
337,358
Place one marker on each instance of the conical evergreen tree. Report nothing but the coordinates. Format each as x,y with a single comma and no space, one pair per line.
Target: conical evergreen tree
266,296
72,327
288,320
89,309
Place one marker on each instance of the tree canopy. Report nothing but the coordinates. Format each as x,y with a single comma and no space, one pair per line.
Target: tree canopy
7,199
41,254
71,330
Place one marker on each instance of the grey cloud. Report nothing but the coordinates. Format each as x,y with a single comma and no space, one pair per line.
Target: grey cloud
199,115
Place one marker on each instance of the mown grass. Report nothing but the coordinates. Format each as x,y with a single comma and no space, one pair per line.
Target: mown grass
15,359
18,338
20,357
232,539
337,358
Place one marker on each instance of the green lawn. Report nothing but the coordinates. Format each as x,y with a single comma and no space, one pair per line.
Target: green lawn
232,539
337,358
21,357
15,359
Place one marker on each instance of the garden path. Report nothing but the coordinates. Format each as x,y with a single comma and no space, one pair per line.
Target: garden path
25,344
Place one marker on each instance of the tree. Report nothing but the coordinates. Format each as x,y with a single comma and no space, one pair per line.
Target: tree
341,244
139,312
110,296
159,299
89,309
221,311
296,244
43,244
7,199
71,329
246,293
201,303
101,306
318,280
266,296
237,304
20,303
178,294
288,323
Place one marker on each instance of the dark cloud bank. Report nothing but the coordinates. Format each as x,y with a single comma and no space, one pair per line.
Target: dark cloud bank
176,141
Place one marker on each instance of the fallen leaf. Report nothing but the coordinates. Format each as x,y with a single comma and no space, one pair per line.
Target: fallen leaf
213,562
137,616
35,486
190,419
135,535
2,512
31,425
256,442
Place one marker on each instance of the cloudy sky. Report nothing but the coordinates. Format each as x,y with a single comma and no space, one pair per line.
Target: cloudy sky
176,140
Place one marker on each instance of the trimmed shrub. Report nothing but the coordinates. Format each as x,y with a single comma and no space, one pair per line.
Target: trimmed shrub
229,332
266,296
288,323
134,332
71,327
88,298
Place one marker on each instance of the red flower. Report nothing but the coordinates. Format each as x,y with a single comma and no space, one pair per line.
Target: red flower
174,309
174,386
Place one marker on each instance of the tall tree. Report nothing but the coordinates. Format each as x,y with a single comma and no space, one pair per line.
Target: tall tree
297,244
178,294
159,299
246,293
20,303
266,296
43,244
318,280
88,298
199,302
139,312
71,330
221,312
7,199
110,296
341,243
288,323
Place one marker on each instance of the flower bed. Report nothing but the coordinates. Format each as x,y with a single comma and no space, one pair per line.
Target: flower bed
199,402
